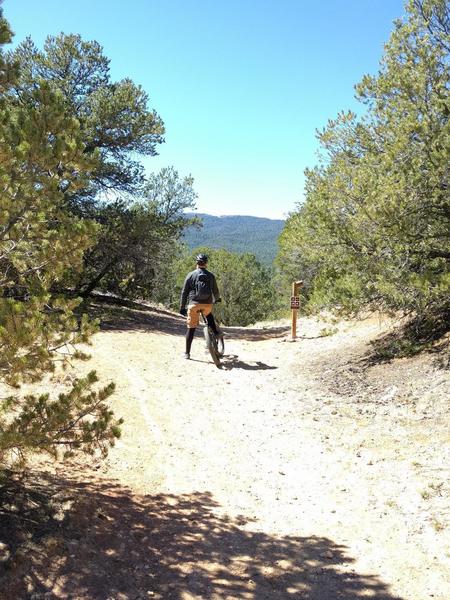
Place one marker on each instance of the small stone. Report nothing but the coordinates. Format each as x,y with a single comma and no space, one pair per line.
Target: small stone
102,516
5,553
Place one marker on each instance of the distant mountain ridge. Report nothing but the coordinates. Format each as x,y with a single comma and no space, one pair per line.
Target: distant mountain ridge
237,233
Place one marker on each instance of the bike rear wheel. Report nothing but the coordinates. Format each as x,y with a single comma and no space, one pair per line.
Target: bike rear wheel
220,345
211,343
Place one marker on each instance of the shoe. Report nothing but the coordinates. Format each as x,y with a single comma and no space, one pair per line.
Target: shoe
186,355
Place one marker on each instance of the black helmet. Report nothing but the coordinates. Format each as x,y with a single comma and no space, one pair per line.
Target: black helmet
201,259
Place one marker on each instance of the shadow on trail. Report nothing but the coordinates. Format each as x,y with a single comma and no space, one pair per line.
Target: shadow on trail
126,315
199,360
256,334
115,544
132,316
230,361
111,299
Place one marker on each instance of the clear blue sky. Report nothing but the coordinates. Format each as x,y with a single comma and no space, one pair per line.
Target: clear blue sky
241,85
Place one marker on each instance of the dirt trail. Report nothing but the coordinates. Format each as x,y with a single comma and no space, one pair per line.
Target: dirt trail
296,471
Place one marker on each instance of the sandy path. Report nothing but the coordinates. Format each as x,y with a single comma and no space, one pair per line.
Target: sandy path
259,480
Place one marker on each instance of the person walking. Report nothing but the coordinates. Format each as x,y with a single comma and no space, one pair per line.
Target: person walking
198,295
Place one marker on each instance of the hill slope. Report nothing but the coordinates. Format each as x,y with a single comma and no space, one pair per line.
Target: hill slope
238,233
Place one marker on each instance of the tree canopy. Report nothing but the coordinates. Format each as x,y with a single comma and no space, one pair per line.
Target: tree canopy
115,122
137,218
137,241
43,159
375,225
247,292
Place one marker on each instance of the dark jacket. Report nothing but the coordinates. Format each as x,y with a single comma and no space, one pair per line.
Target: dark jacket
188,291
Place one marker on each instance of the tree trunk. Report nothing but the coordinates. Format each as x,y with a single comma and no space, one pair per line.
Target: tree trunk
89,288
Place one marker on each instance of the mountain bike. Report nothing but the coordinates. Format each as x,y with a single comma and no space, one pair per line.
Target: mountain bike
214,343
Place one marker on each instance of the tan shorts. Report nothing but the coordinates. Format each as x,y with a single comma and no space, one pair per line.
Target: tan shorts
193,315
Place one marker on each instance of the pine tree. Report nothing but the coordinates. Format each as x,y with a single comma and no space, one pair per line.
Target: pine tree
115,122
247,292
137,241
115,127
375,227
41,243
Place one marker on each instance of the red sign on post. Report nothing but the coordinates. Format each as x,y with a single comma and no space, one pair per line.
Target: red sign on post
295,302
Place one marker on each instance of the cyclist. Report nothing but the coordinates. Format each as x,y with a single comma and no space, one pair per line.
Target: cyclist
199,293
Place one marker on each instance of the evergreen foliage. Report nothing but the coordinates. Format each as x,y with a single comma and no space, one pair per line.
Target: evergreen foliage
375,226
41,243
115,127
138,241
115,123
245,286
138,219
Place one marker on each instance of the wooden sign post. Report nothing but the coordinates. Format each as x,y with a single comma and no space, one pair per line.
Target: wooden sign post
295,305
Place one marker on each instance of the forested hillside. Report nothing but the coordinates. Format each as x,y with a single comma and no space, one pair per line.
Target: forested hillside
237,233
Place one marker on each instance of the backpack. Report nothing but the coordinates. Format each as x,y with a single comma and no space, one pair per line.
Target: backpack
203,290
